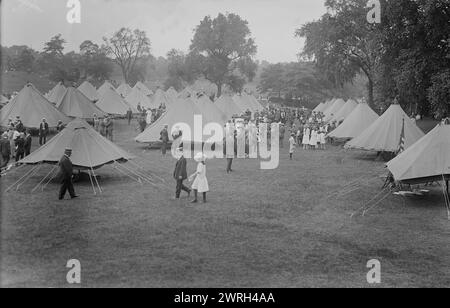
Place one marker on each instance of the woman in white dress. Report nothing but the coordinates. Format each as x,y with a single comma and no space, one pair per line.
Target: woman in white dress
314,139
200,184
305,141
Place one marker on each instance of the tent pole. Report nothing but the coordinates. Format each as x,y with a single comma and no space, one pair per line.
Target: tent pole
43,179
90,162
18,181
92,182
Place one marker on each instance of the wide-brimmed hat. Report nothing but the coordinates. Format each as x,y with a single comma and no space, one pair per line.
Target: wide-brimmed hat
199,157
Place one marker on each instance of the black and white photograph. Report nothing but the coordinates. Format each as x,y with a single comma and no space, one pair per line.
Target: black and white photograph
222,151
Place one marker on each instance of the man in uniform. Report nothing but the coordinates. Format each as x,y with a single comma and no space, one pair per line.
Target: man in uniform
66,170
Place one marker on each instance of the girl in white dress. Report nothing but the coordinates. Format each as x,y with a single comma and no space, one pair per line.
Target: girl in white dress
200,184
305,141
313,140
322,138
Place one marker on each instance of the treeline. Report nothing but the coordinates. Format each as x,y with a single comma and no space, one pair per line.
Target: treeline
222,52
406,55
92,61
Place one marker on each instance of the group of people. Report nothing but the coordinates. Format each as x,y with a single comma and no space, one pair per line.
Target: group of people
104,126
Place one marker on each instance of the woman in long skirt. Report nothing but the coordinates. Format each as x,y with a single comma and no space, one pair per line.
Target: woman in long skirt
305,141
200,184
314,139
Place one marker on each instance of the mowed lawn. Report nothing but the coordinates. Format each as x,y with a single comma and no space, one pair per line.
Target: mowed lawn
277,228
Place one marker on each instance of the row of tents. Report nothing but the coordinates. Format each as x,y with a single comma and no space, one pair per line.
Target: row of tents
426,158
63,103
184,109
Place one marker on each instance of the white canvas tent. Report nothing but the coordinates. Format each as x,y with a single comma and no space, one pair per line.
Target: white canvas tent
384,134
333,109
359,120
56,93
210,111
104,87
32,107
111,102
143,88
344,112
75,104
425,161
123,90
319,107
138,98
172,94
226,104
88,90
180,111
160,99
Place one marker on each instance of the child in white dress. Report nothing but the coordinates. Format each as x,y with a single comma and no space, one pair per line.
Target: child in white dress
200,184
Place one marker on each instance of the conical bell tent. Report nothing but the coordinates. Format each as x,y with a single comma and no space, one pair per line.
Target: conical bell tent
344,112
172,94
427,160
226,104
160,98
319,107
123,90
210,112
180,111
89,91
334,109
359,120
137,98
90,150
74,104
385,133
56,93
111,102
143,88
32,107
105,87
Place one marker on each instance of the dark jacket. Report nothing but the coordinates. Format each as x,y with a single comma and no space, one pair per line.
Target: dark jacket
28,141
43,129
5,147
66,167
180,169
164,136
20,145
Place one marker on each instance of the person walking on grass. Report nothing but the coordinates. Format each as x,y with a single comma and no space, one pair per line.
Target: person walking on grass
164,137
292,145
200,184
180,174
43,132
66,171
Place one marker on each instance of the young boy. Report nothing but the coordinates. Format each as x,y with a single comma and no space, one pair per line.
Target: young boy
292,145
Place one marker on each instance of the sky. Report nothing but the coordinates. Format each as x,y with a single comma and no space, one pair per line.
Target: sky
168,23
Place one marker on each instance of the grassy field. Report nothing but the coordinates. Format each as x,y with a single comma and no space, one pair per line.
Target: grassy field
279,228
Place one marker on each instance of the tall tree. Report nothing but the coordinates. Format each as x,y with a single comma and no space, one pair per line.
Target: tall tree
343,43
128,47
227,47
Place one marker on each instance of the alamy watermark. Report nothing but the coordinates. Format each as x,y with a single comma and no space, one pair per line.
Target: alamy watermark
374,15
